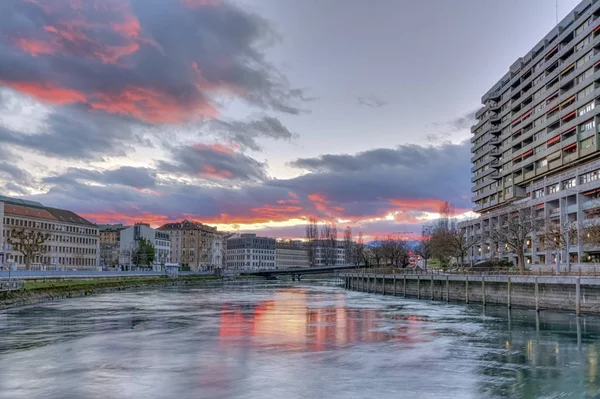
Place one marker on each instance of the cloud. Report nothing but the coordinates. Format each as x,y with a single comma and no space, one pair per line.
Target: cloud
141,178
247,133
16,180
106,70
371,101
213,162
411,184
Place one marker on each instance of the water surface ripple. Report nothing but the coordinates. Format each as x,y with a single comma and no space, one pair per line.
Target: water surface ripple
275,340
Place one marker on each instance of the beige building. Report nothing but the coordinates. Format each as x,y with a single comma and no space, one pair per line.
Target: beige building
291,255
196,245
109,244
72,243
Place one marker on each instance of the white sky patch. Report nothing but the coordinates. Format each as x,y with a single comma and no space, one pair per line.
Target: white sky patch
21,113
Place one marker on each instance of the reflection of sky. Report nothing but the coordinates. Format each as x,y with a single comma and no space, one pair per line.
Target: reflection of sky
271,341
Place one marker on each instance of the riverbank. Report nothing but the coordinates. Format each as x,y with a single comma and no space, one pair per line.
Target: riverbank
578,294
39,291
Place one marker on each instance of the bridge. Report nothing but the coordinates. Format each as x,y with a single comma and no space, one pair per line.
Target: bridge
296,273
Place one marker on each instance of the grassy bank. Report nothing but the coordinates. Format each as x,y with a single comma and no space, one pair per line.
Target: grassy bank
47,290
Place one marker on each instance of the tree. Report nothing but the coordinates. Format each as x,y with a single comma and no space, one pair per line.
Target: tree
30,243
554,236
359,250
144,254
459,244
348,246
395,250
425,248
312,234
514,229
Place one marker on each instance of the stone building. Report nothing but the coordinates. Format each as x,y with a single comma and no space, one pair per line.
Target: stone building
72,243
195,245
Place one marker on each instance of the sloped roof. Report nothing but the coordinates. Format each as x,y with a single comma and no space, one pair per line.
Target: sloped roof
68,217
27,211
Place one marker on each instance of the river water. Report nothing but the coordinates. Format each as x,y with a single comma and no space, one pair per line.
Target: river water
276,340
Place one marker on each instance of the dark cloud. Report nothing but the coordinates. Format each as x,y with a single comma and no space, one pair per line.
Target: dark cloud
16,180
247,133
406,188
464,122
213,162
126,175
371,101
110,68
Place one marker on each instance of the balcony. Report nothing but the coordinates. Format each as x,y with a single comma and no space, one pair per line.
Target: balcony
530,174
495,176
495,163
591,204
494,106
495,96
496,131
519,179
495,141
495,119
495,152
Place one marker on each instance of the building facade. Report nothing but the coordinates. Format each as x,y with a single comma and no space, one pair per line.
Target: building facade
110,244
72,242
328,253
291,255
535,144
196,245
249,252
130,237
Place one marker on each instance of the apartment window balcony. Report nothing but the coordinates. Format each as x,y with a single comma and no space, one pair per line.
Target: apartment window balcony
495,119
496,131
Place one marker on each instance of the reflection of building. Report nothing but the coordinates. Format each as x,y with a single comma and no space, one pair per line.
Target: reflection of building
129,240
110,244
291,254
535,144
72,240
195,245
247,251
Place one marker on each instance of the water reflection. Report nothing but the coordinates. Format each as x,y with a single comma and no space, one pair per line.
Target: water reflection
272,340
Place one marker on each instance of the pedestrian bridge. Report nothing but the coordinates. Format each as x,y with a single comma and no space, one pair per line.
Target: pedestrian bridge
296,273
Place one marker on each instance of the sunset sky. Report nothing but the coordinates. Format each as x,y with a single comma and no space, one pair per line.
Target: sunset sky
252,115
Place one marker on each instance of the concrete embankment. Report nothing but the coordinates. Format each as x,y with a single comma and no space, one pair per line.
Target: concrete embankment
577,294
44,290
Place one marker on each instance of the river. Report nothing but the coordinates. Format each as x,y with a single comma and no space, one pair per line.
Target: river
276,340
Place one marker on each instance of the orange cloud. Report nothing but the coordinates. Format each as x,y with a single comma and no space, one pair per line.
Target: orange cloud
33,47
115,217
214,148
150,105
47,92
322,204
210,172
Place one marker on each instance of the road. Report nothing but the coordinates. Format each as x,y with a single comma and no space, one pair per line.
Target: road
36,274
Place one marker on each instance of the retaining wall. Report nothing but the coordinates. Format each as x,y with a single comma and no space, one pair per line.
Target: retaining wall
578,294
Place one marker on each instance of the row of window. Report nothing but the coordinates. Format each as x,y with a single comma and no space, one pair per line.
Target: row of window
8,221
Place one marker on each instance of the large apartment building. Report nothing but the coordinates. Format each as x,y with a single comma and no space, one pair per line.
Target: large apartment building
196,245
130,237
536,140
72,242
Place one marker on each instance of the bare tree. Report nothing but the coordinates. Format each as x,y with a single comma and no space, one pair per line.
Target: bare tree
332,247
30,243
395,250
459,243
514,229
425,247
312,235
360,249
348,246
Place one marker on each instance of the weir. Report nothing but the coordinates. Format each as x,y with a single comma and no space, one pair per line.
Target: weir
577,294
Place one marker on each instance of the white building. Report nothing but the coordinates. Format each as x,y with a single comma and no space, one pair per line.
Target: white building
291,255
72,242
249,252
129,241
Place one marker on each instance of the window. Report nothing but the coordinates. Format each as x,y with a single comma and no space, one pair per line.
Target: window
589,177
569,183
579,46
587,125
554,188
586,108
584,76
589,142
585,92
542,163
538,193
539,148
582,27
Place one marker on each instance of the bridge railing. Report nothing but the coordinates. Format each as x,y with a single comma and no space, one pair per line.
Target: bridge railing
534,271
